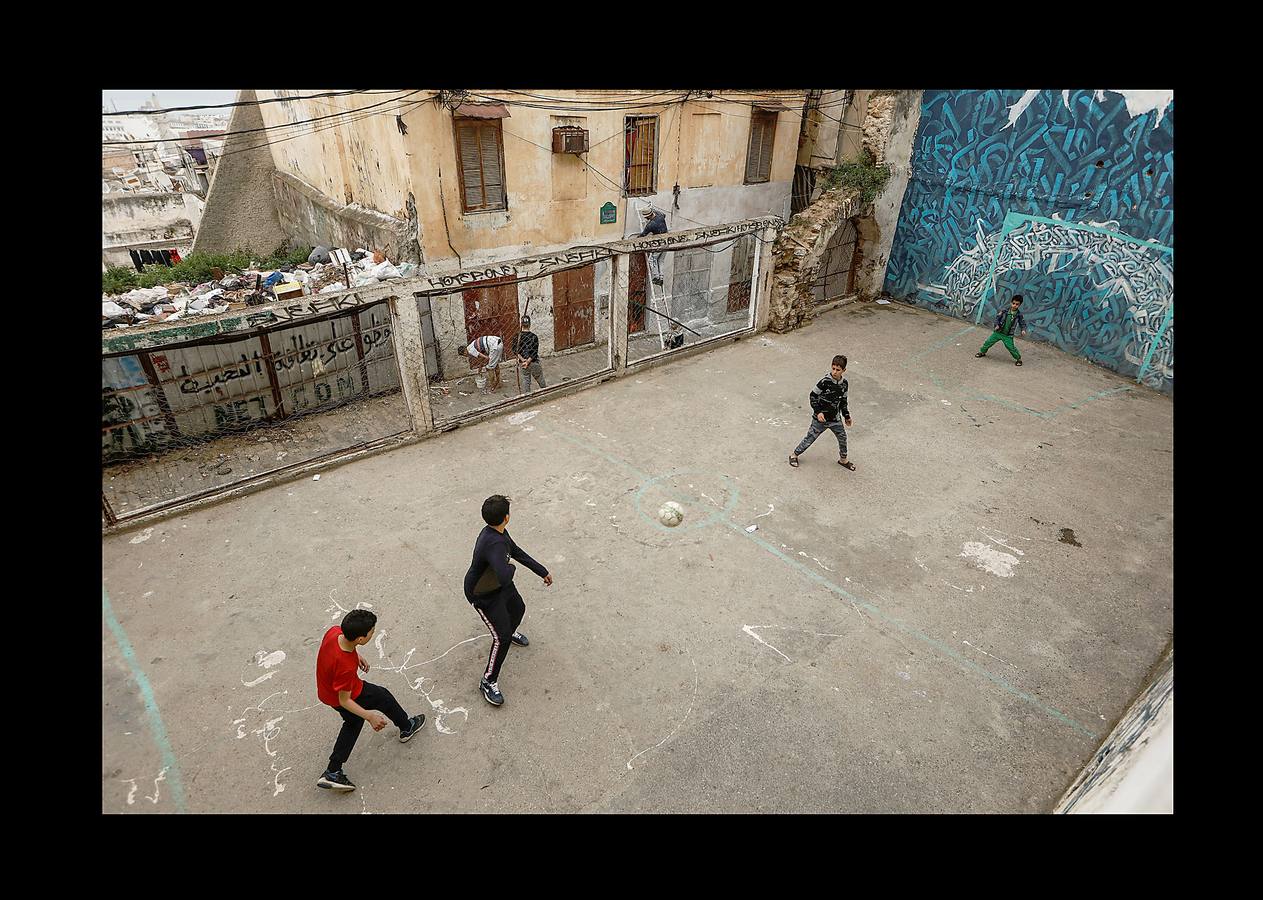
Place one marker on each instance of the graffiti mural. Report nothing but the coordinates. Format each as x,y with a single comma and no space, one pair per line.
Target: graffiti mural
1062,196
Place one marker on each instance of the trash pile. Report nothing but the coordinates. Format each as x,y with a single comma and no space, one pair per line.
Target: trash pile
167,303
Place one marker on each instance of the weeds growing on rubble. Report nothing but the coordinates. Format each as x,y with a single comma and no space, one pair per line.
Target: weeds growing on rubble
865,176
197,268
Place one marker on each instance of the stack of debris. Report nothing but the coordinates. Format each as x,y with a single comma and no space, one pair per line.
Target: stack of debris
253,287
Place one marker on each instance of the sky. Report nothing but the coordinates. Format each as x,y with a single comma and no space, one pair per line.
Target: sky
174,97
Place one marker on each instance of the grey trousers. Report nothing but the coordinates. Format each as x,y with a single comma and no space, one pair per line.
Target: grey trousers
818,428
534,369
655,263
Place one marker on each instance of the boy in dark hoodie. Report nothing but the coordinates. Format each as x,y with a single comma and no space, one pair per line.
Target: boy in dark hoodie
828,401
490,590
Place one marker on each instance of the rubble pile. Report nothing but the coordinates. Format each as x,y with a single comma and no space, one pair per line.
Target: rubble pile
253,287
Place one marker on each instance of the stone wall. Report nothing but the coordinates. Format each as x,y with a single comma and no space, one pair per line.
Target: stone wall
891,129
798,253
240,207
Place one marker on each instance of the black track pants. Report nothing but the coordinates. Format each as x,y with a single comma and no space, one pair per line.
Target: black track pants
502,614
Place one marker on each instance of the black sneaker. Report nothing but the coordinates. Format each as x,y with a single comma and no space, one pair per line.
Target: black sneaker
491,693
417,722
336,781
979,355
520,639
1017,362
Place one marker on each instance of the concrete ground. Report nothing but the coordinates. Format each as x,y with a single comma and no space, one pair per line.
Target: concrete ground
953,627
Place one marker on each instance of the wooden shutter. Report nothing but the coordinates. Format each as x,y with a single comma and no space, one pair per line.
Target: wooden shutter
759,155
638,169
492,176
480,154
769,138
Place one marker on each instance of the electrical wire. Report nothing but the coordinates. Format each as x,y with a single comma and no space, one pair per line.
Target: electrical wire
276,127
154,112
354,116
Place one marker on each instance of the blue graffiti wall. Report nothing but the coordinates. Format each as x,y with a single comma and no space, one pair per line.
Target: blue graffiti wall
1061,196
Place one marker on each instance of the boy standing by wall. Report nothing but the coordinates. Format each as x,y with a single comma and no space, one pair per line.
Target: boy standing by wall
525,346
828,401
490,590
338,684
1005,323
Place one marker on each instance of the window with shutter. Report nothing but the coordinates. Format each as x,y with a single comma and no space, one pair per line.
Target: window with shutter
759,156
480,157
639,170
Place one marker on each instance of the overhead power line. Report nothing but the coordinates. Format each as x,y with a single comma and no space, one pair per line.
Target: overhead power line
273,127
154,112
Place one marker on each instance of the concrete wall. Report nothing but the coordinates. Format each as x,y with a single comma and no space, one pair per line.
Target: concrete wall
554,200
1134,769
1062,196
147,221
240,205
310,218
219,386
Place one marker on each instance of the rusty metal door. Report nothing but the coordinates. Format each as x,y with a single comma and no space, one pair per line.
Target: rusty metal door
491,308
837,273
636,276
573,308
742,273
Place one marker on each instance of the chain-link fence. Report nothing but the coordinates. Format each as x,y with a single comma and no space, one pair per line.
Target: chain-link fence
678,298
185,420
566,339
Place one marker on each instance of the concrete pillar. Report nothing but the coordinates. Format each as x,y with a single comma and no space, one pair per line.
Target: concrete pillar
620,266
405,328
764,263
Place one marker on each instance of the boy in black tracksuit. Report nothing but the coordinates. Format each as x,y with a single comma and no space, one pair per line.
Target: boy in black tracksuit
828,400
490,590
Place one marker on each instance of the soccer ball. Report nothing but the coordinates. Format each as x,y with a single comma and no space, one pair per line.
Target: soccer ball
671,514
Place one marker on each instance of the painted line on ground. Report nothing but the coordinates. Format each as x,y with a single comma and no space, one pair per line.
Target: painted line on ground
960,390
963,661
151,705
908,629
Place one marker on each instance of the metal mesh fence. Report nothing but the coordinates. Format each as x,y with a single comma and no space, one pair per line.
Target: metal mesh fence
186,420
705,292
568,337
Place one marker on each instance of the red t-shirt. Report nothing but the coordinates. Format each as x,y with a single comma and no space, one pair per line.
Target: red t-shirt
336,670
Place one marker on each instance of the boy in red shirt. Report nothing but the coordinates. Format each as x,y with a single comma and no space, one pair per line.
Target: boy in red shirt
338,684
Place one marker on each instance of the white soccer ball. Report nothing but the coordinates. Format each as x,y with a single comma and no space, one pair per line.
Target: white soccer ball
671,514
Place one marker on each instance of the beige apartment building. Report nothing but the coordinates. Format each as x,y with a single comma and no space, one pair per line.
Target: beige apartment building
483,175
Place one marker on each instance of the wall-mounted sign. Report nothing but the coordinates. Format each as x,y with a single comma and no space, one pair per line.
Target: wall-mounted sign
609,214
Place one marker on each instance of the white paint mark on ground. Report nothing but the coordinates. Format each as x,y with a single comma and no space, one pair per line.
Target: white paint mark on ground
142,537
985,653
677,727
148,593
437,705
770,509
999,538
267,661
749,629
997,562
520,418
905,676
